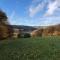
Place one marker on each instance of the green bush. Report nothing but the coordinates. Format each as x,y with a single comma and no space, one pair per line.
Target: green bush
27,35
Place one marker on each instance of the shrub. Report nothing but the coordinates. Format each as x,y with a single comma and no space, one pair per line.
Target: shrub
27,35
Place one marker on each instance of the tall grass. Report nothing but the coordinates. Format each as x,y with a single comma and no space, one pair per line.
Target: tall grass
40,48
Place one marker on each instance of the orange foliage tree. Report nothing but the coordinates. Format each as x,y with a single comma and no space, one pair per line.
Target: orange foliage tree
3,25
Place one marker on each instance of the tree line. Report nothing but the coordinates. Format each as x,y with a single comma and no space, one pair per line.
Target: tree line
49,31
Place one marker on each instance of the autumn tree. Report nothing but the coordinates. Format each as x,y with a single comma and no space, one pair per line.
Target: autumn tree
37,33
3,25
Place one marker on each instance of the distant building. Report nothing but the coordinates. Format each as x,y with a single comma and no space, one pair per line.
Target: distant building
15,33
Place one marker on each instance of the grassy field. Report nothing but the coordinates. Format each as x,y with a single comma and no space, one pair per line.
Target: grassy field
41,48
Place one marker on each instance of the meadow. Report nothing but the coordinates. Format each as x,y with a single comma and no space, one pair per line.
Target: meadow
40,48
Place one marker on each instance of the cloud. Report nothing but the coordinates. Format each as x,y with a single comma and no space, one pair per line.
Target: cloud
35,7
12,15
52,7
13,18
33,11
38,5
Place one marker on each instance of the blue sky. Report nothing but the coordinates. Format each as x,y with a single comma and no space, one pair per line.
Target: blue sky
32,12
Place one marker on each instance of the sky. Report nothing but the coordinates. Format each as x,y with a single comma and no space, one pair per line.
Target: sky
32,12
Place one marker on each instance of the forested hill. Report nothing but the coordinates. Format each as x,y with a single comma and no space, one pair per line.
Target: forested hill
31,28
25,28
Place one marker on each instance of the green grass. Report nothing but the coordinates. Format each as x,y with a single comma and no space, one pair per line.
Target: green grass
41,48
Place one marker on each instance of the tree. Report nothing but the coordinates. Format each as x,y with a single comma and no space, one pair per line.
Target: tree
37,33
3,25
27,35
3,18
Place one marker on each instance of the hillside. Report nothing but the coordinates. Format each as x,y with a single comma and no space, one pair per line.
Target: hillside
25,28
31,28
39,27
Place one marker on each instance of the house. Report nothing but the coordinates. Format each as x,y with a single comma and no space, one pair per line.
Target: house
16,32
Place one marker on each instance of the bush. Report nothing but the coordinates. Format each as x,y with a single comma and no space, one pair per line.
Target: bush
27,35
